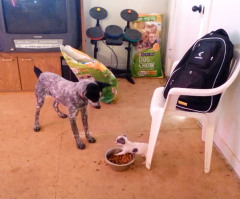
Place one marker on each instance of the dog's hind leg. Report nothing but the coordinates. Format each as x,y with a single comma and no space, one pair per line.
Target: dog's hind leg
85,124
40,102
72,117
55,106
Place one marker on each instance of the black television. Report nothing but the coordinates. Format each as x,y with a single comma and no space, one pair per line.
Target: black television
39,25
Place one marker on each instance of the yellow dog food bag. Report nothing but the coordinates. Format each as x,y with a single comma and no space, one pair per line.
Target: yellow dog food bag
146,57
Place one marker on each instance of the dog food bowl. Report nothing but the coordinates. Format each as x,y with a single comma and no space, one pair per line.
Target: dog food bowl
116,166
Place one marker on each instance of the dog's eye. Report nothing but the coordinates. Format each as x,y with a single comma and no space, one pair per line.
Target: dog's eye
93,96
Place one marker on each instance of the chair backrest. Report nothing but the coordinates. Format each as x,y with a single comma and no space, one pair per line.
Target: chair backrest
235,66
233,71
174,93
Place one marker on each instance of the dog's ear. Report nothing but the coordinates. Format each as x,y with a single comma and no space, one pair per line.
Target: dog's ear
103,84
121,141
135,150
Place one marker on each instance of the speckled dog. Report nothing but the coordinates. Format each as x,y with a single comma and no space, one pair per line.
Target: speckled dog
74,95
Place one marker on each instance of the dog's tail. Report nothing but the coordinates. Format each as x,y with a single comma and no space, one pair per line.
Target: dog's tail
37,71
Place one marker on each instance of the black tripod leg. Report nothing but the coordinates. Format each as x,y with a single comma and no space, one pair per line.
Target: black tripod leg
95,49
128,74
129,78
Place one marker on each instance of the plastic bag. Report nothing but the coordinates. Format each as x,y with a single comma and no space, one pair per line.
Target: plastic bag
84,66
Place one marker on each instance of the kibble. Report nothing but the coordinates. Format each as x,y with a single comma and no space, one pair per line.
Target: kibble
121,159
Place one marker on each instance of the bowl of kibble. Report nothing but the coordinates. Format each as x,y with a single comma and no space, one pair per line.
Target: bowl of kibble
119,162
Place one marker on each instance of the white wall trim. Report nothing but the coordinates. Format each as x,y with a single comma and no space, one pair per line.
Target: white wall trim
228,154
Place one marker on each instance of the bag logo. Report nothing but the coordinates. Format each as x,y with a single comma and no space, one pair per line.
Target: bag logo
182,103
200,55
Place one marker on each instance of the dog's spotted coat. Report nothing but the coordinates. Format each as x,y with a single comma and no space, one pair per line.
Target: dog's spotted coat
74,95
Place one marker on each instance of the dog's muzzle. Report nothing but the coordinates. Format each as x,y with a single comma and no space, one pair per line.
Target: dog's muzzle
95,104
97,107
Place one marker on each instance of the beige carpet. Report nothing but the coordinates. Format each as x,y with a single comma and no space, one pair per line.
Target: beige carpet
47,164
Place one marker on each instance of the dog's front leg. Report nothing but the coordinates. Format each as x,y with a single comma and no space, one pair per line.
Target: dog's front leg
40,102
72,117
121,152
85,124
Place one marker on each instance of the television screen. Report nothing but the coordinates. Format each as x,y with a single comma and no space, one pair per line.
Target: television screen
39,25
35,16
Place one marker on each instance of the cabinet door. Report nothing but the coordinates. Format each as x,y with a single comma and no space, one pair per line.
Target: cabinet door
9,74
46,63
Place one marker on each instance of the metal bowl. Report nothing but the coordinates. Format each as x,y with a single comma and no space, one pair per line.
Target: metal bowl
117,167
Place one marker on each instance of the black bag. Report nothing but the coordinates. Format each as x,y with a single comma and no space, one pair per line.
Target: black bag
205,65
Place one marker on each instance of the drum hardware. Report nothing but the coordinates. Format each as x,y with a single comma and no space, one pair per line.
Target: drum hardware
98,13
129,15
95,34
114,35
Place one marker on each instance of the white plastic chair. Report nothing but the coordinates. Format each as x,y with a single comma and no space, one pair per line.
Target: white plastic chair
161,107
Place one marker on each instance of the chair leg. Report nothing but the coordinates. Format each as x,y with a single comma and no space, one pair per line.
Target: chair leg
203,124
210,130
155,127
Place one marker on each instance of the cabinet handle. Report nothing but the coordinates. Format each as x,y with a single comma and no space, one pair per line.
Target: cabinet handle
27,59
7,60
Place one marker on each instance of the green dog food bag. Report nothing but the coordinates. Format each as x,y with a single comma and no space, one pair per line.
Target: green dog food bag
84,66
146,56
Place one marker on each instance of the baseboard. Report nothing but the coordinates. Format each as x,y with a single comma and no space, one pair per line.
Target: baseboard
228,154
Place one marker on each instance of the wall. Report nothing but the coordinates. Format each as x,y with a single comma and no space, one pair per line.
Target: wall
114,9
225,14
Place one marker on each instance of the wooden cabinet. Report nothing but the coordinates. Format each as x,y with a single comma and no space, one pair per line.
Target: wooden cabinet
44,62
9,74
16,69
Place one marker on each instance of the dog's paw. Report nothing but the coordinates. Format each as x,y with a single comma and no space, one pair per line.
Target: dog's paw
119,153
91,140
81,146
36,128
